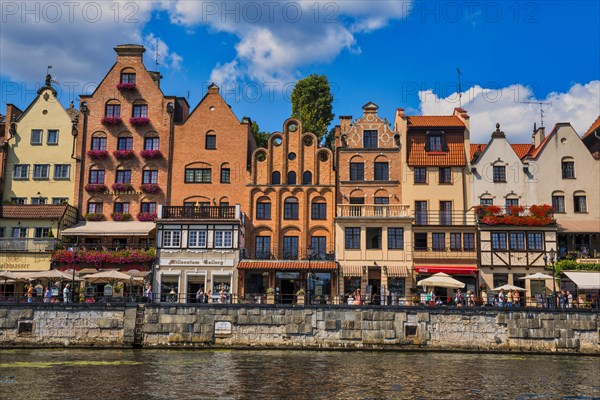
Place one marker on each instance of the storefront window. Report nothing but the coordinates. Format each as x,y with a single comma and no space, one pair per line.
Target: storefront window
286,286
256,282
320,287
221,282
396,286
351,284
194,284
500,280
169,288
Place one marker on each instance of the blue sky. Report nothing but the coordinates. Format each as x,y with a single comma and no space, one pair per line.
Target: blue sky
395,53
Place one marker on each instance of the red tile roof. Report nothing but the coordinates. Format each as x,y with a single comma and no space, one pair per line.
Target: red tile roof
31,211
521,150
288,265
536,151
455,156
593,128
435,121
474,148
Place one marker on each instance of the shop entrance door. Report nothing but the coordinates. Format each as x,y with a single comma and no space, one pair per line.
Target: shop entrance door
194,284
287,291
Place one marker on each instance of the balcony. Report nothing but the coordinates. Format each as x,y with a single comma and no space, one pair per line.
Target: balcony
534,215
290,254
27,245
444,218
373,211
199,213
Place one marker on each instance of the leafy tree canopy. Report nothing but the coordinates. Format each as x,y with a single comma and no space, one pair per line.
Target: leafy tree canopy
261,137
312,103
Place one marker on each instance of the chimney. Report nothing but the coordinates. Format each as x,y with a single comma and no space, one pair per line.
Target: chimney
156,77
464,117
345,122
129,50
538,136
370,109
213,89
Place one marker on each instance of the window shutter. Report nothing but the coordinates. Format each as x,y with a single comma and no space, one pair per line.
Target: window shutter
444,143
428,142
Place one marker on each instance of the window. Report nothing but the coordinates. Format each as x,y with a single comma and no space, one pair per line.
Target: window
558,203
97,176
374,238
113,110
98,143
52,136
290,247
171,239
580,203
319,211
535,241
445,175
59,200
39,200
41,171
438,241
370,139
469,241
1,231
318,245
225,175
151,143
263,247
307,178
420,175
487,201
125,143
290,208
352,238
291,178
499,241
568,170
36,136
500,280
357,200
434,142
516,241
21,171
499,173
121,207
42,232
421,241
382,171
124,176
197,238
511,202
263,211
19,232
357,171
445,213
395,238
94,208
62,171
148,207
150,176
18,200
455,241
140,110
127,77
198,175
382,200
276,178
420,212
223,239
211,142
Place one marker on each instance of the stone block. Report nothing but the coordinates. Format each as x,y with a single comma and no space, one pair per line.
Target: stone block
8,323
201,338
26,313
526,323
423,317
242,311
266,320
582,325
389,334
367,315
564,343
3,312
347,324
151,318
350,334
331,325
254,311
243,320
388,316
278,320
105,323
542,333
518,333
292,329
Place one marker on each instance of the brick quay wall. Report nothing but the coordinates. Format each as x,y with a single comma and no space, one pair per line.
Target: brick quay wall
397,328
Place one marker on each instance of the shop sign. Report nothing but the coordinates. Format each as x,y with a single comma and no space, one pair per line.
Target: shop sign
222,328
24,262
196,262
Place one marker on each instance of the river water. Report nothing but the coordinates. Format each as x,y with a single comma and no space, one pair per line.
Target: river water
236,374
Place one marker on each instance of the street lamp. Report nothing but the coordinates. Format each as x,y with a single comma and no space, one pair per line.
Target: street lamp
308,275
552,255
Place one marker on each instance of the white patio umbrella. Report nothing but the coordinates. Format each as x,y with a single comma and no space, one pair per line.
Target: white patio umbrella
52,275
509,287
107,277
441,280
14,276
537,276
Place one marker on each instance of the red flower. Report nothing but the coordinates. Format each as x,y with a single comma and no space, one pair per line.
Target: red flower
126,86
139,121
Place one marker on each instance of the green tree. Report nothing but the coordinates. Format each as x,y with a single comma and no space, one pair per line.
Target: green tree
261,137
312,103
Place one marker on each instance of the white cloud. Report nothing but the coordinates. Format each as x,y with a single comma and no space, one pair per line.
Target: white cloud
166,59
580,106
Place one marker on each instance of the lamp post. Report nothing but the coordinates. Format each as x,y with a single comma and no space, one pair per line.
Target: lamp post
308,275
552,254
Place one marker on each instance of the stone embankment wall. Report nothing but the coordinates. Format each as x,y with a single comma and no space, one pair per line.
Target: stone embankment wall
328,328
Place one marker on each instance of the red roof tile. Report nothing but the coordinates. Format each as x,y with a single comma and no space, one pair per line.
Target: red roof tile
435,121
536,151
455,156
288,265
522,149
474,148
593,128
32,211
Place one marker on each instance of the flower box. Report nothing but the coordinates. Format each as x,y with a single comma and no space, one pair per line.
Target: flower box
94,217
150,188
537,215
112,121
146,217
151,154
124,86
95,188
98,257
123,154
120,216
122,187
139,121
98,154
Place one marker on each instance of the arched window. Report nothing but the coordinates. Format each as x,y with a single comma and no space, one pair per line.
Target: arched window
128,75
558,201
290,208
307,178
291,178
568,168
112,109
211,141
318,209
140,109
98,142
276,178
263,208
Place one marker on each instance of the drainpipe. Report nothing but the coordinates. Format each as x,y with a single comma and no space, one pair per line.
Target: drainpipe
84,110
170,111
12,132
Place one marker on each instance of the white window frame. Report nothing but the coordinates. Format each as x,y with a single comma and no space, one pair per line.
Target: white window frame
171,239
55,142
41,228
39,200
221,241
195,239
42,167
56,201
18,200
21,230
61,167
23,171
41,139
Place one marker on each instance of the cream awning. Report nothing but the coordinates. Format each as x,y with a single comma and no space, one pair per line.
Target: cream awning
397,271
589,280
352,270
579,226
110,228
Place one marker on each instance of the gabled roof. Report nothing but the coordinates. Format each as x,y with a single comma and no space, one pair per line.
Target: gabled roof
32,211
536,151
521,150
455,156
474,147
370,106
435,121
595,126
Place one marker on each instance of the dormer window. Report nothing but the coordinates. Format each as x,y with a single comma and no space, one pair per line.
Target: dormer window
127,77
436,142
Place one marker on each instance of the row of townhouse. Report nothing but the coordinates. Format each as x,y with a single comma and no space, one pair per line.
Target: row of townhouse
395,202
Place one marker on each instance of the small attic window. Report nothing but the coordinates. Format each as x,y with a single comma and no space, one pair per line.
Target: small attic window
127,77
436,142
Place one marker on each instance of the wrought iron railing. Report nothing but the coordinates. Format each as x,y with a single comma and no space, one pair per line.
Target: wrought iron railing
199,212
27,244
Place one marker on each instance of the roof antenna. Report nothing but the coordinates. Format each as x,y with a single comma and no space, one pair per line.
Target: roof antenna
459,89
156,54
542,104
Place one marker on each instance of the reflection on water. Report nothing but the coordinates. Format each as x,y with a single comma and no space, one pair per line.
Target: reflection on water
164,374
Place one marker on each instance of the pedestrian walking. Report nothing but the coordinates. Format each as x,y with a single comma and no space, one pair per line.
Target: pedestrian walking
458,298
29,293
47,295
200,295
148,294
569,299
501,298
516,299
66,292
509,299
